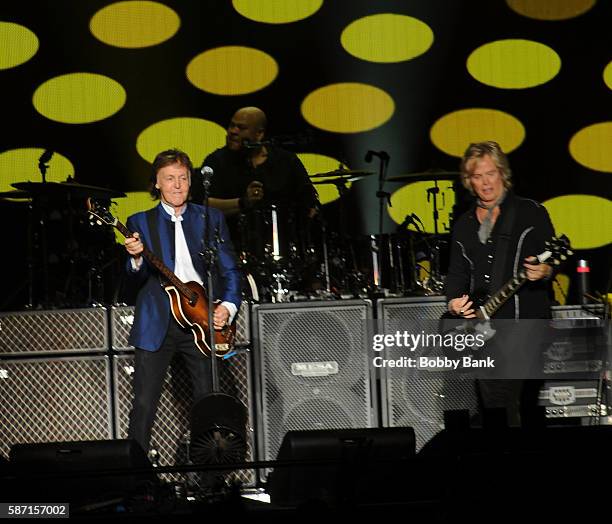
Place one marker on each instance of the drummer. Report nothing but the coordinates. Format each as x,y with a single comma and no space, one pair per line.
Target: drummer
251,173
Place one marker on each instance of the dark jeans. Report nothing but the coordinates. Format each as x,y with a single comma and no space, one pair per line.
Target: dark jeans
518,397
149,375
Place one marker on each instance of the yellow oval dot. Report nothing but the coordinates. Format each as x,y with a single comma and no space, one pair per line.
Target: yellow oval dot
232,70
347,107
413,199
195,136
316,164
607,75
134,24
592,147
277,11
17,44
513,64
551,9
387,38
79,98
581,218
21,165
454,132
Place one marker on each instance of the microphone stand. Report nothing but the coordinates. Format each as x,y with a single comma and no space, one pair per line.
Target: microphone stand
209,254
380,194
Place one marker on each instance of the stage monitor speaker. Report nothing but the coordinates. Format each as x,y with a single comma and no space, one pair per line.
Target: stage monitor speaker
418,398
339,467
171,437
54,400
54,331
313,369
79,471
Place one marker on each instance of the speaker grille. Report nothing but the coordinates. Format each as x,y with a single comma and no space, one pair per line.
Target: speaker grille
122,318
417,398
54,400
170,435
314,369
57,331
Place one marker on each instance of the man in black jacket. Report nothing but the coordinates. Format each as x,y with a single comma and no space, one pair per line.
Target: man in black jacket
491,243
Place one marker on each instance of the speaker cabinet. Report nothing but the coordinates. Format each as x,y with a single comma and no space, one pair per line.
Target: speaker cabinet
54,400
171,432
417,398
55,331
313,369
76,465
353,465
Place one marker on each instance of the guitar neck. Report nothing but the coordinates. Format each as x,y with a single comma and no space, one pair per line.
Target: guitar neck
492,305
157,263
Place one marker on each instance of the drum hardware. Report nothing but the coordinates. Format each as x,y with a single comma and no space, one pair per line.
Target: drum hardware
56,212
425,176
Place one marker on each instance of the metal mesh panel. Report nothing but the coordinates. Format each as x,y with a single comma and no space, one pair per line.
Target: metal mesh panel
170,435
54,400
415,399
122,318
314,369
54,331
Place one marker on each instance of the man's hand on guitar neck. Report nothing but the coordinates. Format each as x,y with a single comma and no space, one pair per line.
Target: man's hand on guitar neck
536,271
134,247
462,307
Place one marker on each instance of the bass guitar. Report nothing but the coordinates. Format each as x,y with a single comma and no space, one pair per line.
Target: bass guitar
188,300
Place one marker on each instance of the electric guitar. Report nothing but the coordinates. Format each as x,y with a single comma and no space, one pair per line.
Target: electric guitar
557,250
188,300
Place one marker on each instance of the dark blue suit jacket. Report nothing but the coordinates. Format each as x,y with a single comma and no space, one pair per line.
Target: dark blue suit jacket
152,313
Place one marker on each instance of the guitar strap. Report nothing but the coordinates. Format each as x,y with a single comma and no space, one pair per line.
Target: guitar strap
154,230
501,249
152,215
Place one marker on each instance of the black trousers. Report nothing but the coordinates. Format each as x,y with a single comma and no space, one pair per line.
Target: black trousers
150,370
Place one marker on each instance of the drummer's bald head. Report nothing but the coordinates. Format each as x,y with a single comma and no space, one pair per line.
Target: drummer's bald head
255,116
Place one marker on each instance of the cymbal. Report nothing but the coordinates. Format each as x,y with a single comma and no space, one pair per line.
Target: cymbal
425,176
15,194
339,179
343,173
62,188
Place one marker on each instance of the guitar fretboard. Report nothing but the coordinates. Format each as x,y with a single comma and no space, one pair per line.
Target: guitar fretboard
157,263
502,296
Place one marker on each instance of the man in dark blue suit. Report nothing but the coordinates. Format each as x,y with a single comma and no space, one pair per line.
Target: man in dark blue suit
175,231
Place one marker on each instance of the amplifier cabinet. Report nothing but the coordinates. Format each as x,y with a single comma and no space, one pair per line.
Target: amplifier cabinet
54,331
313,369
574,398
54,400
418,398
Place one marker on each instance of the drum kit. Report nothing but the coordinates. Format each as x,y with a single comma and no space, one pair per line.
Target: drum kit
65,258
288,257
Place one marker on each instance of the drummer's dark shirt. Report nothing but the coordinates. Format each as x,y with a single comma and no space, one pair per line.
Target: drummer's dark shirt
286,186
284,177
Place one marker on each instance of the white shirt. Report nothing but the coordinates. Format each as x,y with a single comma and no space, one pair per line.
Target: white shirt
183,265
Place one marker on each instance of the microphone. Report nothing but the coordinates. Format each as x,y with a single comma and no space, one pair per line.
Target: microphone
207,173
383,155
